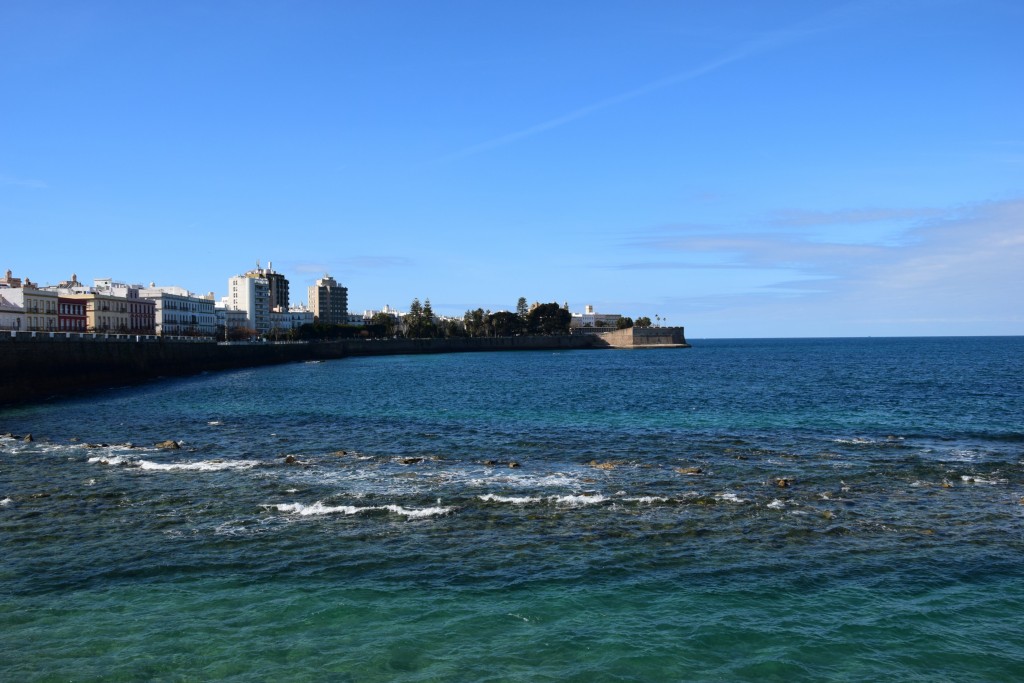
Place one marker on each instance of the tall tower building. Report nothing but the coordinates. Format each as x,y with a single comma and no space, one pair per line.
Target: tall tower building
252,295
329,301
277,283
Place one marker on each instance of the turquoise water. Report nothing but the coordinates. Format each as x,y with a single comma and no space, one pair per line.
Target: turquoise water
644,534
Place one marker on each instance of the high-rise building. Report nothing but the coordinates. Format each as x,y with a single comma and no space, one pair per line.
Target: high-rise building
329,301
252,295
277,284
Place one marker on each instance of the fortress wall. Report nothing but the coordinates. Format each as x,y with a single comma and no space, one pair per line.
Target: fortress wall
44,366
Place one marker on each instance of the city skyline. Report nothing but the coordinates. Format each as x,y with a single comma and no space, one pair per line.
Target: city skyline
743,170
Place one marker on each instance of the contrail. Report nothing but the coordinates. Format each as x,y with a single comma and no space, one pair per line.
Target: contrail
770,41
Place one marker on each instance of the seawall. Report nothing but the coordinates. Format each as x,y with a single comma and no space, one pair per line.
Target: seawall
38,366
41,366
644,338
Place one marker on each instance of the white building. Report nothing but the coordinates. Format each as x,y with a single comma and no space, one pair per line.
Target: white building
180,312
229,319
252,295
294,318
591,319
11,315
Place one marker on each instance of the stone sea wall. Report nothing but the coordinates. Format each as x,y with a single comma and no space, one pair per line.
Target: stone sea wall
39,366
645,337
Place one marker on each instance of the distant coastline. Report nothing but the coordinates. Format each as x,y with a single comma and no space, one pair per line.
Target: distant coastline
43,366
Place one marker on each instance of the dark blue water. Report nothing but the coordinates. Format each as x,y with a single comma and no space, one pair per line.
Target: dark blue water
742,510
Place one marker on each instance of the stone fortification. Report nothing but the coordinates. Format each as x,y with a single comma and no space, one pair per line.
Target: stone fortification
36,366
644,338
42,365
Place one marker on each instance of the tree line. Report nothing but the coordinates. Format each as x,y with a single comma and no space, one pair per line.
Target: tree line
420,323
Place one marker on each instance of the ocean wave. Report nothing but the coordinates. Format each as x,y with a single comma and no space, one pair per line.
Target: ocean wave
318,508
776,504
196,466
971,479
112,460
515,500
730,498
199,466
573,500
6,501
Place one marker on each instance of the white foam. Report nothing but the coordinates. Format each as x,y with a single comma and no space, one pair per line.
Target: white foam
200,466
576,501
318,508
855,440
978,480
6,501
515,500
113,460
215,423
776,504
422,512
648,500
730,498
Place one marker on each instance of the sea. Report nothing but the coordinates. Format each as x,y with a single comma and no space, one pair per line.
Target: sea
743,510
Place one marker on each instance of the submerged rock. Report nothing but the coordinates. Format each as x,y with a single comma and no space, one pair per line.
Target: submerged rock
782,482
410,461
290,459
513,464
689,470
169,444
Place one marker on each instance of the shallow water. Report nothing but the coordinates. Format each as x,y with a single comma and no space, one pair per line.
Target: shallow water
741,510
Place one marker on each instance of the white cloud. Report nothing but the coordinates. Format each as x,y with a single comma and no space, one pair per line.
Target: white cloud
957,271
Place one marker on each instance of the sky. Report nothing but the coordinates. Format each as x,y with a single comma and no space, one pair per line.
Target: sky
741,168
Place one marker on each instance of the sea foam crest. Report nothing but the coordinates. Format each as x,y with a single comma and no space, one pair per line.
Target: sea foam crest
112,460
730,498
199,466
515,500
578,500
318,508
970,479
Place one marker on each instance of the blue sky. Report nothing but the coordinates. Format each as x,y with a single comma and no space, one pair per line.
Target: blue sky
745,169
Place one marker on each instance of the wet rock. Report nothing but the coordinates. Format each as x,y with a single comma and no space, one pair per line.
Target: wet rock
490,463
689,470
602,465
410,461
169,444
28,438
290,459
340,453
783,483
513,464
